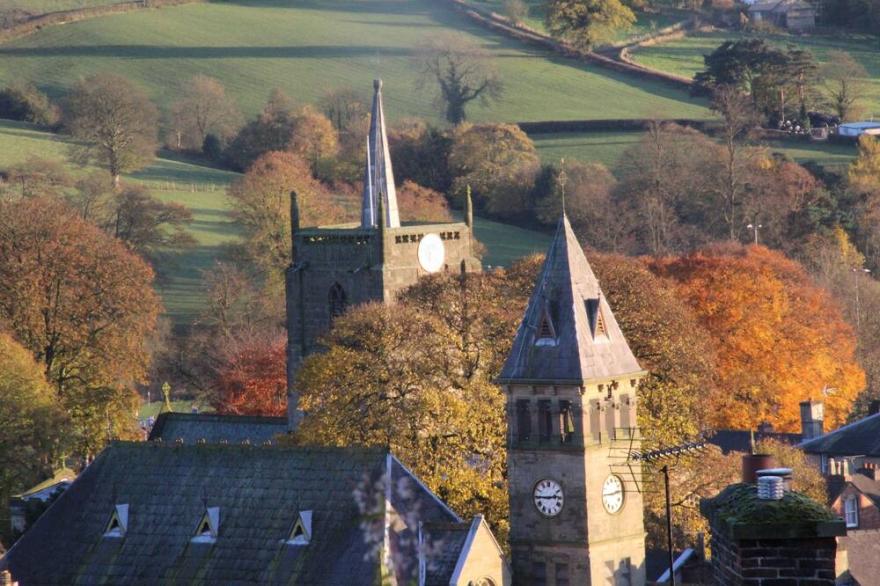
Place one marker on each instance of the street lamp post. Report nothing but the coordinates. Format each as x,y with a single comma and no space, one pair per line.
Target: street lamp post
754,228
858,307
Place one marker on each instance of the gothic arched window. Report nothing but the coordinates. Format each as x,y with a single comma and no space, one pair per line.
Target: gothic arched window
338,300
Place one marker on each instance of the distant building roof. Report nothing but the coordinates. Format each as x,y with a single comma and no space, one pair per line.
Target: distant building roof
740,440
43,490
253,496
213,428
861,438
780,6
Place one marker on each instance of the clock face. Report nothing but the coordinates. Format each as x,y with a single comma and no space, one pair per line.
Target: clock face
432,254
548,497
612,494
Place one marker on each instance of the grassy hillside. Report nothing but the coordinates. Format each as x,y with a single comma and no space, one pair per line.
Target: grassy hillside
607,147
44,6
685,56
307,47
203,190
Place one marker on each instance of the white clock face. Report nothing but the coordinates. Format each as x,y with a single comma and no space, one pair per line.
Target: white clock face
612,494
548,497
432,254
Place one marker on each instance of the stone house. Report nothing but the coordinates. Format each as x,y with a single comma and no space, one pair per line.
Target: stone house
797,16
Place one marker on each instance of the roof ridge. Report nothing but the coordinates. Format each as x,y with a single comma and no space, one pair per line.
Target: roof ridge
806,443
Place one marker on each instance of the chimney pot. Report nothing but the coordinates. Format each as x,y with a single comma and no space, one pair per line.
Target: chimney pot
812,419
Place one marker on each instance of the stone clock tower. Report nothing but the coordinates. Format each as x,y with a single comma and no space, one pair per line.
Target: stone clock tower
336,267
570,383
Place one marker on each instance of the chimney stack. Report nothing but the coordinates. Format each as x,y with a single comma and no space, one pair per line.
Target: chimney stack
812,419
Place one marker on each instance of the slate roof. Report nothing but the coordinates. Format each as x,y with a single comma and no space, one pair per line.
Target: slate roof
259,491
740,440
563,291
861,438
441,563
213,428
378,175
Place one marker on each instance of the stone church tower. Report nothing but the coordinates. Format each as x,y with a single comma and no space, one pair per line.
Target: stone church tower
337,267
570,383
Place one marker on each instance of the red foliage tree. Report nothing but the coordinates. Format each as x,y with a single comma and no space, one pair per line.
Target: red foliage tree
252,379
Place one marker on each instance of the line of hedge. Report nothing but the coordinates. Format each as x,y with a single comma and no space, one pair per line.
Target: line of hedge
618,125
36,23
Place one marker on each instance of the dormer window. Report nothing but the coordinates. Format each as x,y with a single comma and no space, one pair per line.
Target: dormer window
301,533
546,334
597,319
118,523
208,527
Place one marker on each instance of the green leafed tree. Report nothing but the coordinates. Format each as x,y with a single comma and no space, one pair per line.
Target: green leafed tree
586,23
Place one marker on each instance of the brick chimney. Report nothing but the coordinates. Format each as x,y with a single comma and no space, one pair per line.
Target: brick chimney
785,539
812,419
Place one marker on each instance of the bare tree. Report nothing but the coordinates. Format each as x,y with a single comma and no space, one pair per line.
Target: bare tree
738,116
844,83
116,122
204,109
462,70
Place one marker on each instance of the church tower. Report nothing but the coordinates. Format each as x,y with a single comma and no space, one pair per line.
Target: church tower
570,383
337,267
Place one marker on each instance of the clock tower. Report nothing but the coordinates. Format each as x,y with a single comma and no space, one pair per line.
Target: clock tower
336,267
570,382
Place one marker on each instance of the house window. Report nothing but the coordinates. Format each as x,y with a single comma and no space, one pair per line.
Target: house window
539,574
301,533
208,527
338,300
851,511
566,422
562,575
118,523
545,421
523,420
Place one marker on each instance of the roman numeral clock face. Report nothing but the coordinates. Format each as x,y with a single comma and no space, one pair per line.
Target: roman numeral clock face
548,497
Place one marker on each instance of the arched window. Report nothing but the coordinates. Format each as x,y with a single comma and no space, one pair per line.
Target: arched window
338,300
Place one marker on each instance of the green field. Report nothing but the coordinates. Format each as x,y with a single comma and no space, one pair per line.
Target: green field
685,56
607,147
44,6
203,190
310,47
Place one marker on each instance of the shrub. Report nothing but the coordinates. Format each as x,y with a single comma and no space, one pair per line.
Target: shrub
25,102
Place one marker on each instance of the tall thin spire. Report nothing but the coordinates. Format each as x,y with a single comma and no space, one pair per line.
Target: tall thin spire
378,175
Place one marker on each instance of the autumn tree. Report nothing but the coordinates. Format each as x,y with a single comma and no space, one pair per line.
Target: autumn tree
586,23
203,109
91,198
374,386
261,203
270,131
844,83
421,154
421,204
116,122
499,162
23,101
251,377
35,177
147,224
313,136
778,338
84,306
34,431
463,72
864,172
588,191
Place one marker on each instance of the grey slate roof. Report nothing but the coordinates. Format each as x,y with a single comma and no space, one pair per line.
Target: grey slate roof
259,490
213,428
740,440
450,538
861,438
378,175
563,290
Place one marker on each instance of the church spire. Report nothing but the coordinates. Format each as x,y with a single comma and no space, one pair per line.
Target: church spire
378,176
568,333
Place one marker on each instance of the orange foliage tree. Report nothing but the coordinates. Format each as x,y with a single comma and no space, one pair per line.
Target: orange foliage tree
251,379
779,338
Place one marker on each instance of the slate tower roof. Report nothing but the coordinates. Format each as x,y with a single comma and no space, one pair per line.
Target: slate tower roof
378,175
569,333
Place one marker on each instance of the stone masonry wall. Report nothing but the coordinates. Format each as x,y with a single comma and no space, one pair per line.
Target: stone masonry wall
773,562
